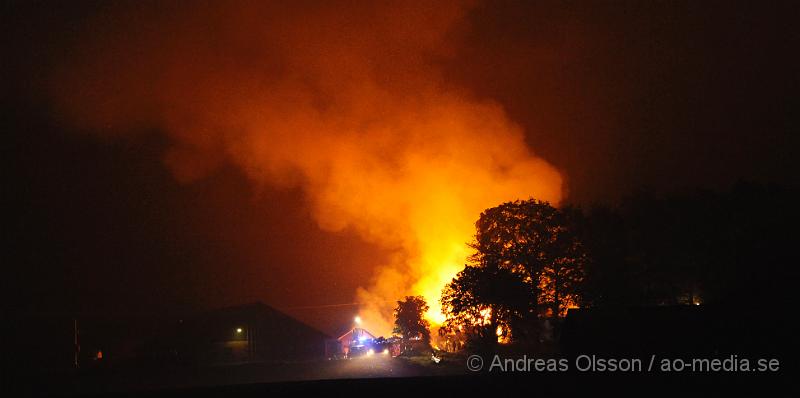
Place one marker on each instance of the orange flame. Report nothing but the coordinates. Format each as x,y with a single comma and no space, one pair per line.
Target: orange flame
346,104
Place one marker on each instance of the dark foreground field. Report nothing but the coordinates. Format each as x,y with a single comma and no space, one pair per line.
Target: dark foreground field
385,376
153,378
391,377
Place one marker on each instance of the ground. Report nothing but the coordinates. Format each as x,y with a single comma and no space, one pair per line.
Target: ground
156,378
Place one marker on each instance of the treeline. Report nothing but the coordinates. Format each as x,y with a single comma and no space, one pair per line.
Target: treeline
734,248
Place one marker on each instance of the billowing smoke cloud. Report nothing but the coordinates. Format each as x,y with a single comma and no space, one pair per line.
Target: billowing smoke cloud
343,100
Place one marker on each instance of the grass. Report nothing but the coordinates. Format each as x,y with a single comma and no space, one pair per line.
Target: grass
450,364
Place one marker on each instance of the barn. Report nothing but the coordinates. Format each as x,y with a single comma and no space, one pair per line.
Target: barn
248,333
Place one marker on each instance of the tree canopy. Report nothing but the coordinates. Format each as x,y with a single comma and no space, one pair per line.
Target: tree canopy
487,301
731,248
409,318
539,242
528,261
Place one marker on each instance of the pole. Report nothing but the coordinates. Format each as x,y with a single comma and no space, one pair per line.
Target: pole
76,348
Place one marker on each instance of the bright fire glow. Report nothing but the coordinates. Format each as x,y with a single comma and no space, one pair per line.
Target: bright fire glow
567,301
355,114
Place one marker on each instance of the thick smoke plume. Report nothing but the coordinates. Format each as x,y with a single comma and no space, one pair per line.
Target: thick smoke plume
342,100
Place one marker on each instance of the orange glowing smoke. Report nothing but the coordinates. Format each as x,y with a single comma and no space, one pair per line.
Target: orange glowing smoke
347,104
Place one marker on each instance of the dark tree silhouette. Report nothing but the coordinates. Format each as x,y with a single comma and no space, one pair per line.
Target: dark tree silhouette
528,262
409,318
487,301
539,242
729,248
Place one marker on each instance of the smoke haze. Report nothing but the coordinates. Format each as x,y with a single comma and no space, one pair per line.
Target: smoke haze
345,101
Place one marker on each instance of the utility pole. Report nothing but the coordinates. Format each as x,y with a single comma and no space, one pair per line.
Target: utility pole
76,346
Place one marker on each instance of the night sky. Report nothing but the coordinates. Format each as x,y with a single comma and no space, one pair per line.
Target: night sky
618,96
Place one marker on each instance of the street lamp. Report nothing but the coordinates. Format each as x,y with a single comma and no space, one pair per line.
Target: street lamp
358,320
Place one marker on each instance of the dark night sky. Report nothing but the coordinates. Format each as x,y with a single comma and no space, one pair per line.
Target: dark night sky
619,96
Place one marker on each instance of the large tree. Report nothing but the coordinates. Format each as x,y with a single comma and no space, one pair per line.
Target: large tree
487,302
538,241
409,318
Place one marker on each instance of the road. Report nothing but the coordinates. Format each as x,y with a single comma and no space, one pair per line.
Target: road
114,380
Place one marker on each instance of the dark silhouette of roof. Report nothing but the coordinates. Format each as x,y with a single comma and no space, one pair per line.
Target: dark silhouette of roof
279,321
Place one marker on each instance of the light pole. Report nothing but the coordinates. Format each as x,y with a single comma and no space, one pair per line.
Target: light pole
354,339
